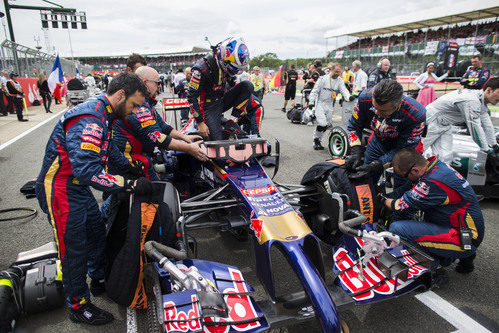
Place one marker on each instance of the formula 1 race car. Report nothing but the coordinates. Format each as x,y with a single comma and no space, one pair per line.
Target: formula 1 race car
233,192
480,170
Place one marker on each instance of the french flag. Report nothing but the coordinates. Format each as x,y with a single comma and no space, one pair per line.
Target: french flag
56,75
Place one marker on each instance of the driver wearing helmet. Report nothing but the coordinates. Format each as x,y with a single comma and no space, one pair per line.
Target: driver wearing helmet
212,89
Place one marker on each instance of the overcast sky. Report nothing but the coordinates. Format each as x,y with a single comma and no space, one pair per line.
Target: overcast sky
291,29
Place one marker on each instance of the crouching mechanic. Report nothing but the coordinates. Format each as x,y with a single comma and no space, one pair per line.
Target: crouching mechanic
323,96
75,159
138,135
397,122
212,90
468,106
453,225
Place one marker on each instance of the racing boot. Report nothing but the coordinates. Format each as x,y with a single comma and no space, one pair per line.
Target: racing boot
91,315
465,265
440,278
318,145
97,287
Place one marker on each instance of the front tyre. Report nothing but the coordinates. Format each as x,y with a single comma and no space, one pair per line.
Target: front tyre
338,146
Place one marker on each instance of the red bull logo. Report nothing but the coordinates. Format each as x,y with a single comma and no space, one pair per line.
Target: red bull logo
241,308
181,321
257,225
94,127
108,177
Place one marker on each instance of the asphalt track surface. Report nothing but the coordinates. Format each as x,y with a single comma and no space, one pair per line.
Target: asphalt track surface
475,295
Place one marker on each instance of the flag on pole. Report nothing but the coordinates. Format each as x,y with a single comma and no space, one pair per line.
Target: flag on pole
56,75
276,79
77,71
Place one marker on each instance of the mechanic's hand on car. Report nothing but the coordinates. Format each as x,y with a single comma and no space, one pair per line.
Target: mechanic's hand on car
134,170
204,130
373,168
355,159
141,186
197,152
191,138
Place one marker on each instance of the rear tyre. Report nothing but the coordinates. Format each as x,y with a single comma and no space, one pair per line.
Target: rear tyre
338,146
153,292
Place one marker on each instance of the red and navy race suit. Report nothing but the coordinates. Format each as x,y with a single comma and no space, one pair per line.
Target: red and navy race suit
475,77
253,119
216,93
449,203
75,159
137,136
402,129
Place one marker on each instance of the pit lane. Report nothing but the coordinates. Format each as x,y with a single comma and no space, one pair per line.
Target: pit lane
475,294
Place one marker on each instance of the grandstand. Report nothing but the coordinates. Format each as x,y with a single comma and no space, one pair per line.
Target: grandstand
412,40
162,62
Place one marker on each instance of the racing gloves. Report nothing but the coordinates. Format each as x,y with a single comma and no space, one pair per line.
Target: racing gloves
351,98
355,159
373,168
134,170
141,186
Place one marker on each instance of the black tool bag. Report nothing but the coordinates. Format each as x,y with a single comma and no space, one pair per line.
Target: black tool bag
28,189
322,209
295,114
148,218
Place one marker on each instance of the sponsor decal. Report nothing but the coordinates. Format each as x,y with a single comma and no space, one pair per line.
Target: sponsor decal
109,109
353,137
259,190
383,130
154,136
355,113
257,225
241,308
421,190
101,181
269,205
175,103
92,132
94,127
89,146
194,84
180,321
145,118
148,123
196,75
291,238
91,139
418,130
401,204
365,201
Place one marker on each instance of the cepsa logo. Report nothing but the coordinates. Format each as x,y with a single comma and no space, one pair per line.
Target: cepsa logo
181,321
241,309
259,190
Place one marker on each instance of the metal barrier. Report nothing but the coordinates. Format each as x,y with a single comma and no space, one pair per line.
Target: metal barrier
28,62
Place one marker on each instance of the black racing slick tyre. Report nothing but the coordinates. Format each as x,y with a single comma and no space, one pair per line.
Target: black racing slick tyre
338,143
172,199
153,293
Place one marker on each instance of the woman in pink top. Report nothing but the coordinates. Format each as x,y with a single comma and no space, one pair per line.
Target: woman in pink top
425,83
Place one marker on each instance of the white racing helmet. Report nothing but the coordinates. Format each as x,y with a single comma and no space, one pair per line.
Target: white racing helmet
232,55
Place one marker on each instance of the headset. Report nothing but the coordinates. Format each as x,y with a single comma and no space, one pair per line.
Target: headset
380,60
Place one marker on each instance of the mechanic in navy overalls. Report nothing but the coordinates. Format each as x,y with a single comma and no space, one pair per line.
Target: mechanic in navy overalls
138,135
397,122
449,205
212,89
76,158
476,75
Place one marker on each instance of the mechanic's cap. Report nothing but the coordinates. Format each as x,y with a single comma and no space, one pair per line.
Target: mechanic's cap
256,68
13,75
317,63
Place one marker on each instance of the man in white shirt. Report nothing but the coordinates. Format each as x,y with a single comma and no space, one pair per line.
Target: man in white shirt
359,78
177,78
3,82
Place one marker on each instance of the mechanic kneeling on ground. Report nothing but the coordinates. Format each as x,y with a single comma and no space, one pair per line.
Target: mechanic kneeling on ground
397,122
138,135
212,89
75,159
453,225
462,106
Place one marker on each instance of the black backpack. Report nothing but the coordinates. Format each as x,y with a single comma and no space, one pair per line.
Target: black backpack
295,114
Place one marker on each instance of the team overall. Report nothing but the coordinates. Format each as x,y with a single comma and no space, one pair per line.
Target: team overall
75,159
449,203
